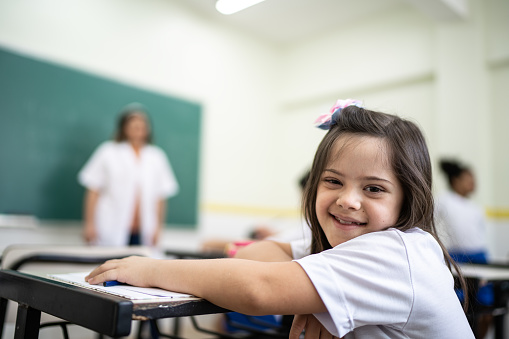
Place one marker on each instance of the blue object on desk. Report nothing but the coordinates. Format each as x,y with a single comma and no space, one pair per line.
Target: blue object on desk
112,283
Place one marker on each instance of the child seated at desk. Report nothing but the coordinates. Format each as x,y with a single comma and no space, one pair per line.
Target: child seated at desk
378,270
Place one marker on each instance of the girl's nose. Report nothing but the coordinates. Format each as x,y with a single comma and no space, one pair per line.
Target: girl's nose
349,199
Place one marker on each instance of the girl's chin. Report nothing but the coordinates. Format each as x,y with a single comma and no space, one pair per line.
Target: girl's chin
336,242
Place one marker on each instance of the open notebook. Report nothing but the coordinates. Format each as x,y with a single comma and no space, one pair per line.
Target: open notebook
126,291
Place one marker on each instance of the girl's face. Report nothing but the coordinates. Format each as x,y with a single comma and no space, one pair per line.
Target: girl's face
358,191
136,129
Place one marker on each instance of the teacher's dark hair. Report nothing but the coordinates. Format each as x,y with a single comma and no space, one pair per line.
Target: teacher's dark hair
126,114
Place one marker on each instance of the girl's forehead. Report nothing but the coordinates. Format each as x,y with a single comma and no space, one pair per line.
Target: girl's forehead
359,146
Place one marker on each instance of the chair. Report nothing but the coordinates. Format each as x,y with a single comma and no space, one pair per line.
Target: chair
42,259
498,308
252,328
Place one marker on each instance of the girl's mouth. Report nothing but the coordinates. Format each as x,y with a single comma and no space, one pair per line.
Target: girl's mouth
345,222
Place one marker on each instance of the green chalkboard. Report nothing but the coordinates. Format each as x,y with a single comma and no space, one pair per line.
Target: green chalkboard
51,120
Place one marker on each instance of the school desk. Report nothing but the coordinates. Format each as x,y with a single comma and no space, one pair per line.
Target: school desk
498,275
103,313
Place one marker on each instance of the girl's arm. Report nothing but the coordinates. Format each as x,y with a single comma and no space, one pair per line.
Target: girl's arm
266,251
249,287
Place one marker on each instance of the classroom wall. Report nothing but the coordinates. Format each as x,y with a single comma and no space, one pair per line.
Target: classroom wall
162,46
436,73
260,100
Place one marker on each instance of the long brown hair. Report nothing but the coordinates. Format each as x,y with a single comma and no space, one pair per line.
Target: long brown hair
410,161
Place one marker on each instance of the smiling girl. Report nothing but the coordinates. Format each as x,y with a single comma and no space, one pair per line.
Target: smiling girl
377,268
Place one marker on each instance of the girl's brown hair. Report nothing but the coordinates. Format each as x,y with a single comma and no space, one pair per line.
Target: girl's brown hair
410,161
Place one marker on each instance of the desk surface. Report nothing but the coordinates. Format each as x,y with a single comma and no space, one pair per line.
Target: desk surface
100,312
485,272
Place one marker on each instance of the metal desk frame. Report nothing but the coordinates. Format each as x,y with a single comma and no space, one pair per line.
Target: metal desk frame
106,314
498,275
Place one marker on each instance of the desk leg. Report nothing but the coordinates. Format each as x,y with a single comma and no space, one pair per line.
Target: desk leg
176,326
499,326
500,296
28,321
473,306
3,314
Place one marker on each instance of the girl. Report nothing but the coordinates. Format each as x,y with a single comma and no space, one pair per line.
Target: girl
377,271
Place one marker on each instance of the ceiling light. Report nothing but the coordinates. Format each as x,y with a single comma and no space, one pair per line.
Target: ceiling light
233,6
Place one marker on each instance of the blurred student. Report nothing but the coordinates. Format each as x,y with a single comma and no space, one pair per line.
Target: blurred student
127,183
461,219
300,233
463,226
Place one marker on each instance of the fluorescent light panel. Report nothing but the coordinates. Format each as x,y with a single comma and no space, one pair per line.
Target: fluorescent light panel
233,6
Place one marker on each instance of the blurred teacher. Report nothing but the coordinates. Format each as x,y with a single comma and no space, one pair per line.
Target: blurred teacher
127,183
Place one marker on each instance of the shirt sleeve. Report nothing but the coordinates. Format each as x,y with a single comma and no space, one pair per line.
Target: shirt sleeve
364,281
169,186
93,174
300,248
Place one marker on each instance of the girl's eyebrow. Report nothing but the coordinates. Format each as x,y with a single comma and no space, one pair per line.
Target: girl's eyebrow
378,179
333,171
374,178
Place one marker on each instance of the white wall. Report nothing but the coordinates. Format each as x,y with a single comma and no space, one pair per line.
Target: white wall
260,100
389,70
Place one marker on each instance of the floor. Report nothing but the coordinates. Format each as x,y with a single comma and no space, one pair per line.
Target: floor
165,326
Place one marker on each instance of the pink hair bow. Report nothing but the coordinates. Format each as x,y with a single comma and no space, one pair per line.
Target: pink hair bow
325,121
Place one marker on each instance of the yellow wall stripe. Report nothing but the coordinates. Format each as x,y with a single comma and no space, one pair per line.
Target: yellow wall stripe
251,210
491,213
497,213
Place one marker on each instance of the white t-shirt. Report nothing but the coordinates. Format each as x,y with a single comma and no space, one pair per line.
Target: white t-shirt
299,238
461,223
387,284
121,177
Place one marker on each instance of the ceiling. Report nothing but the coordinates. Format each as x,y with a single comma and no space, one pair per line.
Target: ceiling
286,21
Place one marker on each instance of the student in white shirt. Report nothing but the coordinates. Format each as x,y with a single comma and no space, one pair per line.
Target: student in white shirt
462,225
378,269
462,220
127,183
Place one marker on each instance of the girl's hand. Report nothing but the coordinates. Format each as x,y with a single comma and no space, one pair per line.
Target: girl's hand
314,329
136,271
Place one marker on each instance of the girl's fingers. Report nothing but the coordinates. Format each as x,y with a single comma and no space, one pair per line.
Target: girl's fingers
312,332
324,334
108,265
298,325
102,277
313,328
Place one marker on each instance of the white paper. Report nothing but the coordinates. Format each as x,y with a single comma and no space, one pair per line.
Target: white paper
126,291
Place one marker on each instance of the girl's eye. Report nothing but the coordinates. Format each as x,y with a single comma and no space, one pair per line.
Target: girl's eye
332,181
374,189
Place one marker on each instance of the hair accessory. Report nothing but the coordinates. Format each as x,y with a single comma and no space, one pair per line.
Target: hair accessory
325,121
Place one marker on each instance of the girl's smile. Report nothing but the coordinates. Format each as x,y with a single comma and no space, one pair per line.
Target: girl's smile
358,191
343,222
